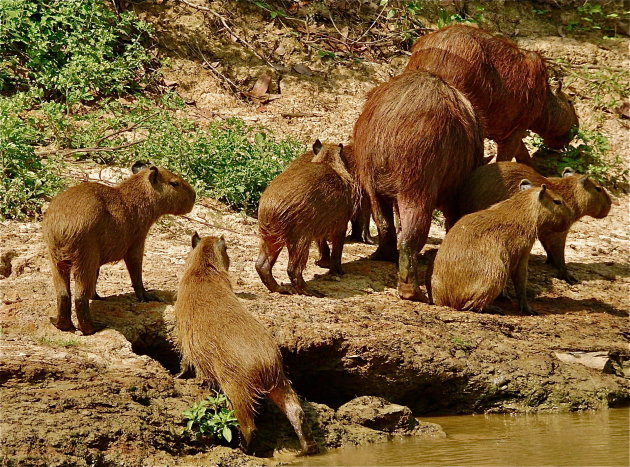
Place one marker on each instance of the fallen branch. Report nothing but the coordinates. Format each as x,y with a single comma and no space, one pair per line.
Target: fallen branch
127,128
300,114
67,152
227,82
215,226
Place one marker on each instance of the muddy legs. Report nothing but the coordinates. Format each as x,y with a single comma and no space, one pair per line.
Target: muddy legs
383,212
298,256
287,401
554,244
61,281
269,251
133,261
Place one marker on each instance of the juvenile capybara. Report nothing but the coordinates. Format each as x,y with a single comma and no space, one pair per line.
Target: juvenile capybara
309,201
227,345
92,224
507,86
415,142
495,182
485,248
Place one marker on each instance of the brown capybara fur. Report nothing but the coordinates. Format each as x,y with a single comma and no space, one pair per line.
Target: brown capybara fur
415,142
507,86
92,224
495,182
485,248
227,345
309,201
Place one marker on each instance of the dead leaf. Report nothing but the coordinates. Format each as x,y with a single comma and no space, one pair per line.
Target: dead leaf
262,85
303,69
169,83
624,110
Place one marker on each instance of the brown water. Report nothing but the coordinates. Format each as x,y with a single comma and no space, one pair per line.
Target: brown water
591,438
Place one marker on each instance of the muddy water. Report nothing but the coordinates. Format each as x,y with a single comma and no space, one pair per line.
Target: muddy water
593,438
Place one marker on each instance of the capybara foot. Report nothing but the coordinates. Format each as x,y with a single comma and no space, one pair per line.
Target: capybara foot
310,292
65,326
148,297
525,309
567,277
310,449
87,329
494,310
286,289
410,292
96,296
323,263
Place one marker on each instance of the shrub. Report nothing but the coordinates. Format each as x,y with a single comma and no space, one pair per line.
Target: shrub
212,416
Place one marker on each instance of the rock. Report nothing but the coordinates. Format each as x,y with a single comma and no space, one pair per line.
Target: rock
377,413
5,263
597,360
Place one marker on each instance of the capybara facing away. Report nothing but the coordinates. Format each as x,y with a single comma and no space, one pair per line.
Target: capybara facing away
92,224
415,143
485,248
495,182
308,201
507,86
226,345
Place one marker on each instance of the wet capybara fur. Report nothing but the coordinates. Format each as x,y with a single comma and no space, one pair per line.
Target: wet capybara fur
309,201
485,248
495,182
228,346
507,86
415,143
92,224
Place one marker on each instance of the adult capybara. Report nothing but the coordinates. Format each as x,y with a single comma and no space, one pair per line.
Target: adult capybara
308,201
485,248
92,224
495,182
507,86
225,344
415,142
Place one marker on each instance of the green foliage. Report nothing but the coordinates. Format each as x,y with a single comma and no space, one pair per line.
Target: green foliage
71,50
65,343
445,18
26,181
461,344
605,87
212,416
592,16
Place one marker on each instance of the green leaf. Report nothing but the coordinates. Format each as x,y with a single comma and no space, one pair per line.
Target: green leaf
227,434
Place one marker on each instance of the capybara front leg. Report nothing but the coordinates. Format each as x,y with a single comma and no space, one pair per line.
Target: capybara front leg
288,402
61,281
324,254
133,261
513,147
337,251
415,224
85,284
96,295
519,279
267,257
554,244
383,212
298,256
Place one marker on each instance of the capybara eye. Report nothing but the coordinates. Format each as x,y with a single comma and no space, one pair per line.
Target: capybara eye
557,201
598,188
174,183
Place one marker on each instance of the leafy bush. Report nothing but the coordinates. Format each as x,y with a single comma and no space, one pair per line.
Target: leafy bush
594,16
71,50
212,416
25,181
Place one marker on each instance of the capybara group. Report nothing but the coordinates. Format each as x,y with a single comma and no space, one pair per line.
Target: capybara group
495,182
485,248
226,345
312,200
507,86
92,224
415,142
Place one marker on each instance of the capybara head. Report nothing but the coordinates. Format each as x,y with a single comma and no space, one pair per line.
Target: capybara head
553,213
174,194
558,121
593,199
213,250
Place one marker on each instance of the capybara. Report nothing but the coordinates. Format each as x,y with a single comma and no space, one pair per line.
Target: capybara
92,224
415,142
308,201
507,86
485,248
495,182
226,345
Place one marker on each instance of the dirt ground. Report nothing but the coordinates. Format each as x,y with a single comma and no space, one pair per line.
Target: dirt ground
111,399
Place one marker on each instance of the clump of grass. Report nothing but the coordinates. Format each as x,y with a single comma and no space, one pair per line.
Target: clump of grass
65,343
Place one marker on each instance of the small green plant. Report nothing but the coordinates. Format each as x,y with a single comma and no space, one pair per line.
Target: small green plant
461,344
65,343
592,16
446,18
212,416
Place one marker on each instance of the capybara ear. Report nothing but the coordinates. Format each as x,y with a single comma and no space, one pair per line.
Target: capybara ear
154,174
221,243
525,184
138,166
195,239
543,189
568,172
583,180
317,146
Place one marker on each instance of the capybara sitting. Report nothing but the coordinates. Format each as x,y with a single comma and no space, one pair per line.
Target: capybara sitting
226,345
92,224
308,201
495,182
507,86
415,143
485,248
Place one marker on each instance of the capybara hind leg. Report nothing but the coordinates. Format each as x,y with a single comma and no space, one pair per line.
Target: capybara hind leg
519,279
133,261
298,256
554,244
383,212
337,251
61,281
96,295
513,147
267,257
287,401
85,284
242,403
415,224
360,224
324,254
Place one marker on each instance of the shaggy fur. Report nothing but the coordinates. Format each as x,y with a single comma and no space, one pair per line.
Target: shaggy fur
310,200
415,142
485,248
225,344
507,86
495,182
92,224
